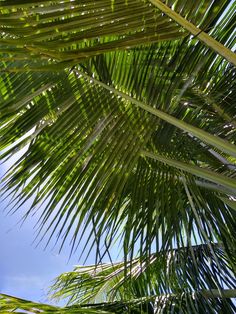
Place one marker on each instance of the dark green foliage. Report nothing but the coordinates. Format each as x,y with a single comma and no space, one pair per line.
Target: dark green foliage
128,124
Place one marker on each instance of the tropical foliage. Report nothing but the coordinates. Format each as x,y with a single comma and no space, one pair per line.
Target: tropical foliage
126,113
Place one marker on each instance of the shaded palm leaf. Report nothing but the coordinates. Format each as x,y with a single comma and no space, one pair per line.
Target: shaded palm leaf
73,31
88,142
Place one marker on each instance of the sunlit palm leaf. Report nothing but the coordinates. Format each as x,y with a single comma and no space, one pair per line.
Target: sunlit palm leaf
10,304
200,34
164,278
170,272
65,31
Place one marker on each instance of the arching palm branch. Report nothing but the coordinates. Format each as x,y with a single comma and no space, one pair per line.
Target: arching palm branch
164,282
127,110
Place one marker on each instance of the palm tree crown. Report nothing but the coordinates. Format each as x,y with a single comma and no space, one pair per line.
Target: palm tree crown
126,110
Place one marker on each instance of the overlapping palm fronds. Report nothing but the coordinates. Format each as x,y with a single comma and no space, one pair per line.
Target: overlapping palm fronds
129,124
179,281
172,273
75,30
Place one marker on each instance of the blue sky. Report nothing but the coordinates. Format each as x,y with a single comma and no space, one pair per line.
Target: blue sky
26,271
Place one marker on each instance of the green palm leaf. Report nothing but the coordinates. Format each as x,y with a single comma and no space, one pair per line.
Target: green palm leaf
10,304
75,31
128,129
176,271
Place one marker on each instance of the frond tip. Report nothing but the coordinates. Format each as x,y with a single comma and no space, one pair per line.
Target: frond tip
11,304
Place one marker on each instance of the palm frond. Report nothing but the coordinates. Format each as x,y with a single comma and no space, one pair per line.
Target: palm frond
181,280
65,31
116,133
169,279
85,138
204,37
10,304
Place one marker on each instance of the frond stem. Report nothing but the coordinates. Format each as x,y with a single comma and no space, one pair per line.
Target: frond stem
197,32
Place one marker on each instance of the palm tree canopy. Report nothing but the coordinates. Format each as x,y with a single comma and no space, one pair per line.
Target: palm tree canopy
126,112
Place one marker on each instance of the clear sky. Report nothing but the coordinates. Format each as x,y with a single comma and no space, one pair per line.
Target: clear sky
26,271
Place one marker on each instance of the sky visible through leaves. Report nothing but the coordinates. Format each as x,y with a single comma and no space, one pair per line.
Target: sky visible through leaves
26,270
